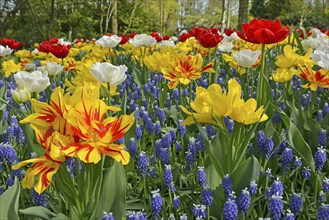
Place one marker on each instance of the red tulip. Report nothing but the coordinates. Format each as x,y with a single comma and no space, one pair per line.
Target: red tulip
10,43
301,33
60,51
124,39
184,37
261,31
196,31
132,35
156,36
53,40
228,32
209,40
45,47
166,37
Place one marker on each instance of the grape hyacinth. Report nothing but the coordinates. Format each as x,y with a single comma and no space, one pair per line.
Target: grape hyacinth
296,203
276,207
322,197
325,185
297,162
325,109
156,203
230,210
107,216
201,176
322,139
132,147
286,159
227,185
199,211
142,163
319,116
167,176
132,215
139,132
323,212
39,199
276,188
176,202
289,215
306,173
244,201
206,196
267,148
253,188
320,158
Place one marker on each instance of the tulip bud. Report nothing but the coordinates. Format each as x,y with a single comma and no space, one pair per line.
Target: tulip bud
21,95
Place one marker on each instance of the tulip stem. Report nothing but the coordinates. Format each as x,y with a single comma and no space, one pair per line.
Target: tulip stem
13,107
261,79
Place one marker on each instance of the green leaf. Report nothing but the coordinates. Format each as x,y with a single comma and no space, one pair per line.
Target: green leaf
60,216
43,213
65,183
136,75
31,140
9,202
213,179
113,191
299,42
296,140
211,155
247,171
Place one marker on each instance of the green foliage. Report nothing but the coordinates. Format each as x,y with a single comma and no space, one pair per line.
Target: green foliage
9,202
113,191
270,9
43,213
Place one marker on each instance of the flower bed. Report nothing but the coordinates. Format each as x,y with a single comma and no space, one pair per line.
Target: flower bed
209,125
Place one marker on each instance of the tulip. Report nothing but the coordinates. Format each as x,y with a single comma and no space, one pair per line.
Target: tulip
35,81
246,58
107,73
321,57
10,43
109,41
143,40
60,51
261,31
226,47
167,43
21,95
209,40
53,68
5,51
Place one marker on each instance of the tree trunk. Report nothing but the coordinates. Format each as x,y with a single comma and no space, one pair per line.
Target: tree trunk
114,20
243,13
52,18
223,20
228,19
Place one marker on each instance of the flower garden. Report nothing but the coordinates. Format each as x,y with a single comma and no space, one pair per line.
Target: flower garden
208,125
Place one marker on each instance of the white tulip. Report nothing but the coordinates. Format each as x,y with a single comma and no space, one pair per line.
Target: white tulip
167,43
225,47
5,51
35,81
143,40
63,42
30,66
21,95
107,73
246,58
321,57
232,37
109,42
53,68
